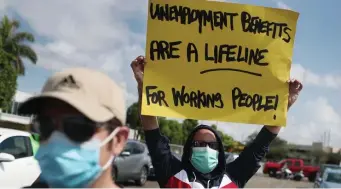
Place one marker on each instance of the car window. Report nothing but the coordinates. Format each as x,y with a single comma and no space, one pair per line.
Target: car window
128,147
297,164
324,167
138,148
146,149
334,178
289,163
18,146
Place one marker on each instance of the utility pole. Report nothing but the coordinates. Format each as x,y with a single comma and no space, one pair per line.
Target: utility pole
324,138
329,139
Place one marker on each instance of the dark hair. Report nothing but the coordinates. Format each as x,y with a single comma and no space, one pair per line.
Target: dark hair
111,125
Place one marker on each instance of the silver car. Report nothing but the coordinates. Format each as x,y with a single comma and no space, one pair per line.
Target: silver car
132,164
331,178
151,174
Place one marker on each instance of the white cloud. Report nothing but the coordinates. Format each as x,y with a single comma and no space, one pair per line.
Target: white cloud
308,77
282,5
2,5
323,112
318,116
87,33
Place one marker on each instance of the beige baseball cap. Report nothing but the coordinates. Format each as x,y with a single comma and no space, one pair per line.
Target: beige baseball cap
91,92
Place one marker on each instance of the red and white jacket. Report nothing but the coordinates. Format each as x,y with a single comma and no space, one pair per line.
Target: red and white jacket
180,180
172,172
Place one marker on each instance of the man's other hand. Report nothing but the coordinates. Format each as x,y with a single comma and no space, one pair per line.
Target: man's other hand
295,88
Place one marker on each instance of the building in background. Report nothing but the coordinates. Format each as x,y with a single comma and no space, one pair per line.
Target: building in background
10,118
311,154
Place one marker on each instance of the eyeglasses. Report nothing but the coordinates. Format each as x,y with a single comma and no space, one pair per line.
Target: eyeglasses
213,145
77,128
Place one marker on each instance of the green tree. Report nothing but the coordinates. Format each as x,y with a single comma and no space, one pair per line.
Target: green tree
14,44
215,127
227,140
133,120
333,158
164,127
251,138
276,142
8,82
319,156
278,147
176,134
172,129
277,153
187,127
279,142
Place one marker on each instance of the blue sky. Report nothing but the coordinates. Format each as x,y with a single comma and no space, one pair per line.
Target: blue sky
107,35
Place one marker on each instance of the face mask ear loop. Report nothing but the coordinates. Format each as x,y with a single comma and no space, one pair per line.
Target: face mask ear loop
110,137
104,142
108,164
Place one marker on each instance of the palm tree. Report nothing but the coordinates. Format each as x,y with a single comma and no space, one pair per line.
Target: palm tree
14,44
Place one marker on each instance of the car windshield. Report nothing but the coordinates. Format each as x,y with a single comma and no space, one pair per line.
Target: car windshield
334,167
128,146
334,178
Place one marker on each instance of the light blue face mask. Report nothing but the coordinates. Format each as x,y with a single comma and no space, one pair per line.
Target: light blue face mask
66,164
204,159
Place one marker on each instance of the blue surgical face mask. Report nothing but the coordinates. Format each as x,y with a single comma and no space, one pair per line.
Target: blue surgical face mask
204,159
66,164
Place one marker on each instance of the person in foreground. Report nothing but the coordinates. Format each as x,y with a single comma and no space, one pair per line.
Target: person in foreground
79,116
203,163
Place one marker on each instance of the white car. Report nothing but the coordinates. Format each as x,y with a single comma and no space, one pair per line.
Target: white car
18,168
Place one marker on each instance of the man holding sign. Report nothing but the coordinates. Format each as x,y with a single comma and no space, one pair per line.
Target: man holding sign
214,61
203,162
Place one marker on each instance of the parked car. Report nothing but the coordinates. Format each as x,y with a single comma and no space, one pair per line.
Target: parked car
323,167
230,157
294,165
151,170
18,168
132,164
331,178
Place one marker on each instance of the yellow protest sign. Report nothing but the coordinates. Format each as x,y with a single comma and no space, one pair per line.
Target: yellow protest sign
218,61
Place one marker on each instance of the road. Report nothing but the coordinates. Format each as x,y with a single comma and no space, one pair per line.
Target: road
258,181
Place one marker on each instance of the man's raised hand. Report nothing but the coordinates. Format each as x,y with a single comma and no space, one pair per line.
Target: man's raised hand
295,88
137,66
